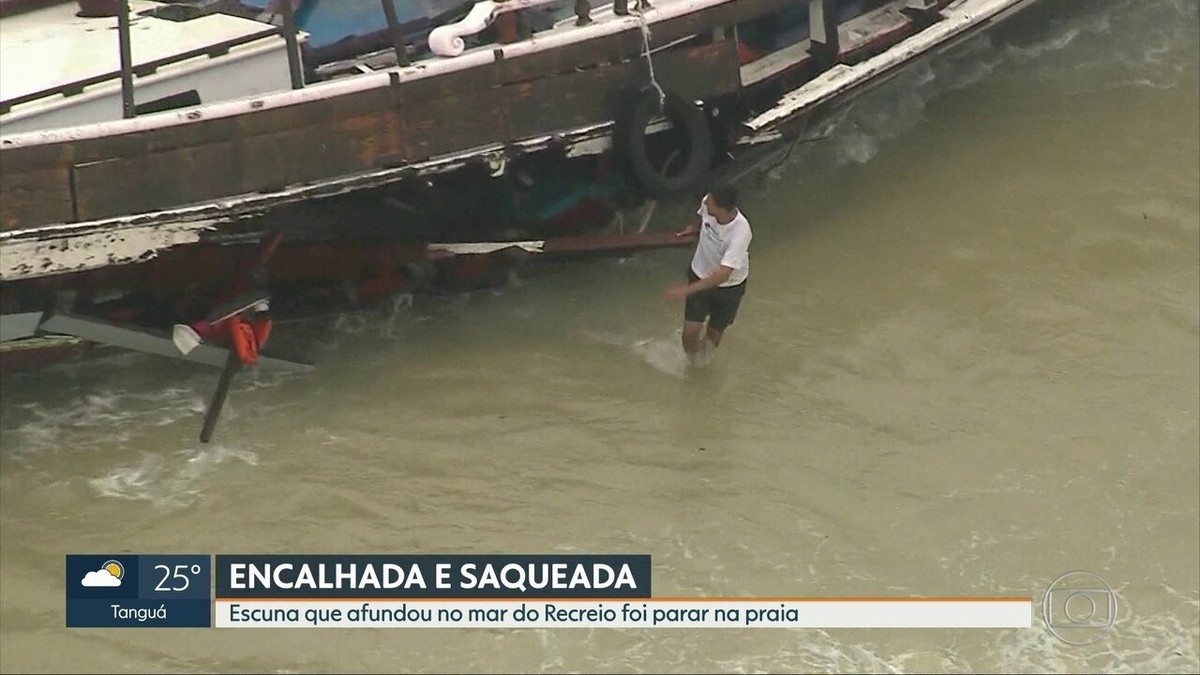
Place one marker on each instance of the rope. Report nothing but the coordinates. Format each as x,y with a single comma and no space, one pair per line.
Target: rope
794,144
645,26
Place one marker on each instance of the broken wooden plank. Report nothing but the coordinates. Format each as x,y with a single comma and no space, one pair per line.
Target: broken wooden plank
616,242
842,80
16,326
584,243
483,247
151,342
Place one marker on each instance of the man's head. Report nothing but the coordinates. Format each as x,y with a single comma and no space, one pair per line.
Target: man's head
721,202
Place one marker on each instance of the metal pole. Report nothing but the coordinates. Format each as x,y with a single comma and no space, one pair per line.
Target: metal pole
389,11
583,12
823,32
232,365
289,36
126,59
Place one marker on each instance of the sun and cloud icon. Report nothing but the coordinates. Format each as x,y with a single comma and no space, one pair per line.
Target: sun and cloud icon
109,575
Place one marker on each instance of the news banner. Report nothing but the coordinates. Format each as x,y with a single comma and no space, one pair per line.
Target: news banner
462,591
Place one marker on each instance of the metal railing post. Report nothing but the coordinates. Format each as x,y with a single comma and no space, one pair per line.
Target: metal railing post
389,12
123,40
289,36
823,32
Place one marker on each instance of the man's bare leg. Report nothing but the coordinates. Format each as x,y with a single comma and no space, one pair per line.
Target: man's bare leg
706,347
713,336
692,339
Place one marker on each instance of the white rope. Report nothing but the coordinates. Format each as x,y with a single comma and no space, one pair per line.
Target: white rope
647,215
645,26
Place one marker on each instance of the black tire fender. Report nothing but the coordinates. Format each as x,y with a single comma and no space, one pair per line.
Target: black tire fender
630,141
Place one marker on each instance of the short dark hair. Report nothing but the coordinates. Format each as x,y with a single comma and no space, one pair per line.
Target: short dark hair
725,195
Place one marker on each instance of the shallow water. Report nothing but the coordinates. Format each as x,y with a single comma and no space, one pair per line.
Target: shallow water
968,361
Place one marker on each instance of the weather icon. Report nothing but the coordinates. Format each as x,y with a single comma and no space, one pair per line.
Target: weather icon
109,575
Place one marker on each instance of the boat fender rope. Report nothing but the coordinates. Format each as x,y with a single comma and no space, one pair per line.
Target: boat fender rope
645,27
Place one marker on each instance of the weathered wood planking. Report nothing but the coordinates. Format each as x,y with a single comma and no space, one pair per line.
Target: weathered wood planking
275,147
628,44
37,196
705,20
611,49
597,51
874,33
141,183
592,96
269,150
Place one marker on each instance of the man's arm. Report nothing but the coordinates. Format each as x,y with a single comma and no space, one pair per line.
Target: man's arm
692,228
711,281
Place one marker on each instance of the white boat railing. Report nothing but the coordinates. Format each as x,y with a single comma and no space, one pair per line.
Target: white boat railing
137,70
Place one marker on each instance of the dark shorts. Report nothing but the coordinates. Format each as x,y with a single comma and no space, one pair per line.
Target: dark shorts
718,305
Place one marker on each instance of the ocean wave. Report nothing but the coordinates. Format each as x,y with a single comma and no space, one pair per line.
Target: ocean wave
168,480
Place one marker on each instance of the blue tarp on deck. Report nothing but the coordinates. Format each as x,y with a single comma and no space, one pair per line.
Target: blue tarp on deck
327,21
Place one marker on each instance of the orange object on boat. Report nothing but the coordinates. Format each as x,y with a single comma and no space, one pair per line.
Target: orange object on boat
249,337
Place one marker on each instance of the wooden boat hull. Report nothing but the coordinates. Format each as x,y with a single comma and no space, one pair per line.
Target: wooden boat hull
172,206
125,191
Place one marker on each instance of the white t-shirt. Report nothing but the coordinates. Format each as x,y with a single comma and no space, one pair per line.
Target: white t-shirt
719,245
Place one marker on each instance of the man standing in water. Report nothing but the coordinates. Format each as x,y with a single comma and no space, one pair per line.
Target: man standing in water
717,275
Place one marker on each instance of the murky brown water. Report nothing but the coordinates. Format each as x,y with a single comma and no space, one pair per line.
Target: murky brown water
968,362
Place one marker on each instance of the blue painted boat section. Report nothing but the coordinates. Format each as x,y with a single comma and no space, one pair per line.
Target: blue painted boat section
331,20
327,21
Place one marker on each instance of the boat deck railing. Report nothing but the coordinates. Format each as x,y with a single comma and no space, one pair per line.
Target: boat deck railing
505,20
140,70
128,69
822,45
